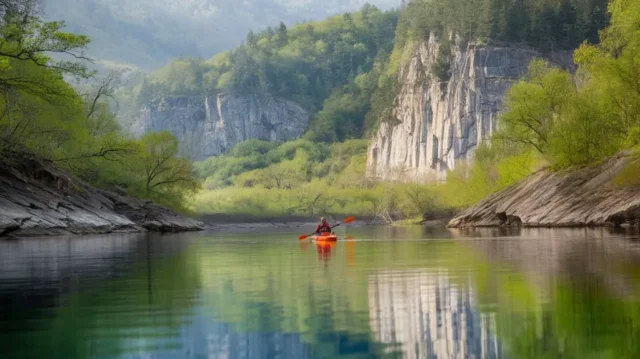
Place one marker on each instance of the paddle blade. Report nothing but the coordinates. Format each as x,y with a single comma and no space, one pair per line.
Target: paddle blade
303,237
349,219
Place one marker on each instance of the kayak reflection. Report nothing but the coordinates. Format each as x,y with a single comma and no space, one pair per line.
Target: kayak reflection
324,250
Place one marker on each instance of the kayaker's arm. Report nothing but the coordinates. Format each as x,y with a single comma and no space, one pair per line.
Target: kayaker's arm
348,220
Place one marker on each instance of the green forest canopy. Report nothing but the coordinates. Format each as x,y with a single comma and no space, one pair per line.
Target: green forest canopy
342,69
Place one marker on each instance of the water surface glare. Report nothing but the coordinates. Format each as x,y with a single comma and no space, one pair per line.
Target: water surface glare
391,292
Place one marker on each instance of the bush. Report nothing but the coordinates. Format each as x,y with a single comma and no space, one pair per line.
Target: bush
251,147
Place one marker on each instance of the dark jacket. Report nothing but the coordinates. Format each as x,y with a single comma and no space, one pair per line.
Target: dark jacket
323,227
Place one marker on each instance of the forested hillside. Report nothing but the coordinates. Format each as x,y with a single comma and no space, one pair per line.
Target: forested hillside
546,24
148,33
337,60
351,61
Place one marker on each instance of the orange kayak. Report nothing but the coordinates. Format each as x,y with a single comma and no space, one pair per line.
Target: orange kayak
326,238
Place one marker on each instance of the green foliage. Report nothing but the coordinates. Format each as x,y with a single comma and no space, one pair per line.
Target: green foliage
582,121
253,146
629,175
442,67
306,178
534,104
167,177
42,116
382,101
328,67
253,155
38,110
343,113
320,197
545,24
303,63
496,167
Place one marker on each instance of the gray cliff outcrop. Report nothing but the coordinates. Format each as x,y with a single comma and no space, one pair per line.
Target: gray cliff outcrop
211,125
585,197
439,123
37,199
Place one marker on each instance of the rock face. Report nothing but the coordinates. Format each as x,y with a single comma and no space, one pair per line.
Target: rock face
37,199
585,197
212,125
441,122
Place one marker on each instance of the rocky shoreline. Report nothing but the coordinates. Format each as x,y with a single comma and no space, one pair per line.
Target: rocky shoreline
585,197
38,199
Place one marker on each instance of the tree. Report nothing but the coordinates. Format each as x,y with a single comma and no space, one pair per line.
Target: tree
104,88
24,37
36,106
533,104
164,170
283,35
251,38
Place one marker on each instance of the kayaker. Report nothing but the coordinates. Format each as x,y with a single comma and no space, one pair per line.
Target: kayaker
323,227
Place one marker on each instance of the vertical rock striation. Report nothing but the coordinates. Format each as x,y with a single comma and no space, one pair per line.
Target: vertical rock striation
211,125
38,199
441,121
584,197
421,314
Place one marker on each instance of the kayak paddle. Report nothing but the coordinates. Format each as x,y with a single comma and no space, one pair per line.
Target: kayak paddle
347,220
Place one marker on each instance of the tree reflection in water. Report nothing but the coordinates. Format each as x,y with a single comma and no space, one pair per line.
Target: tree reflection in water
527,294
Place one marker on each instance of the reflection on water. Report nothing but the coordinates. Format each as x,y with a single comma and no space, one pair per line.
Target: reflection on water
324,250
519,293
430,316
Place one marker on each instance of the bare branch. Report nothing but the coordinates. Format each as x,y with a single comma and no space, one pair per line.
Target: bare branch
103,152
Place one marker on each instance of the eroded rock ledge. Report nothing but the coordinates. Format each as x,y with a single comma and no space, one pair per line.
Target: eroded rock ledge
37,199
585,197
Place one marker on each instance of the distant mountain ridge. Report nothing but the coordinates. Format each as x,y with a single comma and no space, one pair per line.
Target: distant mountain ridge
148,33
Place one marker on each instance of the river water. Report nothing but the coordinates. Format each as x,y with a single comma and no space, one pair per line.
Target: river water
387,293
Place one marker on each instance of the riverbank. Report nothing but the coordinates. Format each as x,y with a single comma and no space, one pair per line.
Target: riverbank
224,222
38,199
603,195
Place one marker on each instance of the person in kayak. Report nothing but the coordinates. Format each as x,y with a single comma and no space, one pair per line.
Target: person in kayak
323,227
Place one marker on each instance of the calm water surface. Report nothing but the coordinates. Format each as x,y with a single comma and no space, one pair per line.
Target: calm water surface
389,293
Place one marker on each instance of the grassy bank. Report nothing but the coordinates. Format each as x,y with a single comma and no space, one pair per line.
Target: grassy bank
299,178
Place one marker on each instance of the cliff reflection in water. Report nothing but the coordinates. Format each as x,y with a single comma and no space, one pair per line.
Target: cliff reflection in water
522,294
429,316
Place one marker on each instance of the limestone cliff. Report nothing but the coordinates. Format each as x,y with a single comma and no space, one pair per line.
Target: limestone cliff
584,197
439,123
210,125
